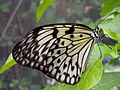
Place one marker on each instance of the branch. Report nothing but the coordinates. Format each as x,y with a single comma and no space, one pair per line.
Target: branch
11,19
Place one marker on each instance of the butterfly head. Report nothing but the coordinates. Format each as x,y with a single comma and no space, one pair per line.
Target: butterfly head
96,31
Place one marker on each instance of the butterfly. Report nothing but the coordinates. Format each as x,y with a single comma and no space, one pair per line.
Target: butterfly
60,51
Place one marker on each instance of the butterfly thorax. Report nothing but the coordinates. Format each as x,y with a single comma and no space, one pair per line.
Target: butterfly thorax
95,32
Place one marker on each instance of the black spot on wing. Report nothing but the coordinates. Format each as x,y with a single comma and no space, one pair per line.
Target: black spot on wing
72,36
58,61
81,35
64,66
63,43
70,31
72,68
58,52
58,40
35,32
55,33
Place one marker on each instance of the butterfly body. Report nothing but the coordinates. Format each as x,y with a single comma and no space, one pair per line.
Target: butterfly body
58,50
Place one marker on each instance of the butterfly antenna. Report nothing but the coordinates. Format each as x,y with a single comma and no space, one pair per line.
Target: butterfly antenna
104,18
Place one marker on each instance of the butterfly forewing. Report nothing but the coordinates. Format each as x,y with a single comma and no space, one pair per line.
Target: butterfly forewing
58,50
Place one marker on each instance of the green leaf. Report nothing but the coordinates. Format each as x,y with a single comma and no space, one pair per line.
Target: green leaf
95,55
108,81
112,61
109,5
42,7
118,44
91,76
109,50
10,62
111,26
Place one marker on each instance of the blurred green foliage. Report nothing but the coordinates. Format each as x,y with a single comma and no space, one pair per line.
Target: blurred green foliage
42,7
5,7
109,5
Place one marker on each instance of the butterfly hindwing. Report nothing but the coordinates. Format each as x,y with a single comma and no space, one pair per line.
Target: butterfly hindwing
58,50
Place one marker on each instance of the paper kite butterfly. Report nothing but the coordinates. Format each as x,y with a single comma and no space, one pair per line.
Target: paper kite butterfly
58,50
